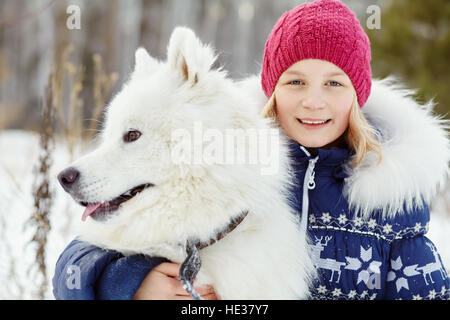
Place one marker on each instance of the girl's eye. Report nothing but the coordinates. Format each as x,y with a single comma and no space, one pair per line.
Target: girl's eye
131,136
296,82
334,83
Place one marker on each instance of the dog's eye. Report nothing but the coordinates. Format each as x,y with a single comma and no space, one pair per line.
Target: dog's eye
131,136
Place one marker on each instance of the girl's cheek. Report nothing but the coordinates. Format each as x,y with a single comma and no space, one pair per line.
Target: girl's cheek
344,100
285,103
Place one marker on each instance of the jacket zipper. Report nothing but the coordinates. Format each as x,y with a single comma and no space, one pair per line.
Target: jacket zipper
308,184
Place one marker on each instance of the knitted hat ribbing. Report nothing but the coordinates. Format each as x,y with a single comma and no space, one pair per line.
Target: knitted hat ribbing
323,29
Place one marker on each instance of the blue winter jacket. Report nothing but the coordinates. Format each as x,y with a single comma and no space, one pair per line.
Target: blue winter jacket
356,258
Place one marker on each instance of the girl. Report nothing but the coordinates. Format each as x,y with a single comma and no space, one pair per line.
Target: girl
365,169
364,175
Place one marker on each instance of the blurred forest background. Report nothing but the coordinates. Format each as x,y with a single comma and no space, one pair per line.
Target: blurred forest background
413,42
56,78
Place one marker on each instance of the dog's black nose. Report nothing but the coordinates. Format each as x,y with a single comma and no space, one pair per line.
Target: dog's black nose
68,177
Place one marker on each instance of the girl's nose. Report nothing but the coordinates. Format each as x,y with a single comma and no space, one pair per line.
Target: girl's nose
313,99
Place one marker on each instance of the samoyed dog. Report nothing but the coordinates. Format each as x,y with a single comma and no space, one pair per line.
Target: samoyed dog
156,186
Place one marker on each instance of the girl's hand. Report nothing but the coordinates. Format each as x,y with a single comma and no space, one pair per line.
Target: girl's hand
161,284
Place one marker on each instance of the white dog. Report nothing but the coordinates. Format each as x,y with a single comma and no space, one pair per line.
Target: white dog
140,200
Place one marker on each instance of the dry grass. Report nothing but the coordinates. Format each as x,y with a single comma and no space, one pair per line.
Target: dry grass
70,122
65,83
103,84
42,195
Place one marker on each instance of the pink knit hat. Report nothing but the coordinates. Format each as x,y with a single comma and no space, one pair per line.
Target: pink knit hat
323,29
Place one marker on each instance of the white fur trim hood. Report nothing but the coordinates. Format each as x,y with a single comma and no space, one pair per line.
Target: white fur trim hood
416,154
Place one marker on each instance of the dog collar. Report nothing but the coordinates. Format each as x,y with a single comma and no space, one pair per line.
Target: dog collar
191,265
231,226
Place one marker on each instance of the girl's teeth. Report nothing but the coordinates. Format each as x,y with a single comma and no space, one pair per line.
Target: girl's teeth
313,122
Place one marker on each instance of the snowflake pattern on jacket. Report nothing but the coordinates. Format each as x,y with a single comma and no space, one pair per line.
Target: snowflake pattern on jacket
357,258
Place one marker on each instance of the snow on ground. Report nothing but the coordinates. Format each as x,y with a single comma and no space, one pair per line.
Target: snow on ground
439,227
19,154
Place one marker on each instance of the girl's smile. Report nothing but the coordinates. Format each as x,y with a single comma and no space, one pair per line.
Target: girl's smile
313,124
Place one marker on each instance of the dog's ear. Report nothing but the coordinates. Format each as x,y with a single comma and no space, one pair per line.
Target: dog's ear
188,56
144,63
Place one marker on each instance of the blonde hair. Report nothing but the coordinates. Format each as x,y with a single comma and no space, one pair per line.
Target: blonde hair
360,136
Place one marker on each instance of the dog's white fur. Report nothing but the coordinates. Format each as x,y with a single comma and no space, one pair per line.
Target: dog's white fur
266,256
416,154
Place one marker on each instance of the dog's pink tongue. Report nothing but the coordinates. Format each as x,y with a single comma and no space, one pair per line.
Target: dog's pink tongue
91,207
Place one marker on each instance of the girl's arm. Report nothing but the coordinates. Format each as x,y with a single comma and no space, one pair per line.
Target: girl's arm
86,272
